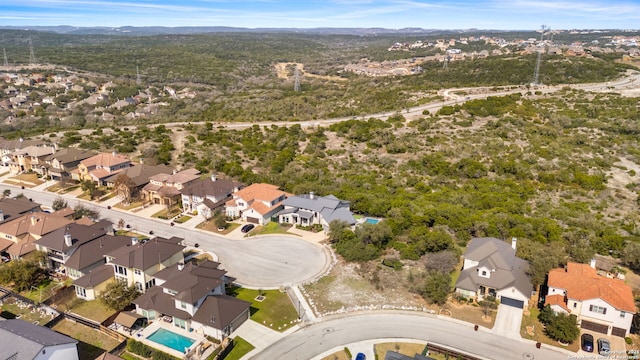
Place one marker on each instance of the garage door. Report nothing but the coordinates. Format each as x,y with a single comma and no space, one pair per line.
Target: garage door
512,302
588,325
619,332
253,220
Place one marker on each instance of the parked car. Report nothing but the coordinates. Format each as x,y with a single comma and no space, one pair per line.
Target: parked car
603,347
586,340
247,228
361,356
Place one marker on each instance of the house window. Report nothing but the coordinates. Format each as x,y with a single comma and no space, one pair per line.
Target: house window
598,309
139,286
484,273
81,292
180,323
121,270
150,283
183,305
137,271
622,314
575,304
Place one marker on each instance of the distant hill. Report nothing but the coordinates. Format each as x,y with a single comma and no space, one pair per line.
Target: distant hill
159,30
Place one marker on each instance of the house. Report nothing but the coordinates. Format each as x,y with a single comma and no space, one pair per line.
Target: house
310,209
11,208
207,195
78,248
18,236
137,263
491,268
256,203
392,355
63,162
20,339
165,188
91,285
134,178
193,298
8,147
29,159
99,167
601,304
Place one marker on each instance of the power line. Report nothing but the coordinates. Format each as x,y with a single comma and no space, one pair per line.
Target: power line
536,71
6,62
32,55
296,80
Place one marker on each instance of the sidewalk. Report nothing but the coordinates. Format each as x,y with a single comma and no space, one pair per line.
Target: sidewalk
259,336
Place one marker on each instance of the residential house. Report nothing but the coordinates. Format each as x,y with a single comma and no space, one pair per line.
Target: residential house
491,268
137,263
193,297
63,162
601,304
92,284
256,203
99,167
392,355
165,188
20,339
29,159
310,209
134,178
207,195
11,208
18,236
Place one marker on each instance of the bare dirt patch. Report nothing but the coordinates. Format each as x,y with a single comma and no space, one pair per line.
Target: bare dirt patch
283,72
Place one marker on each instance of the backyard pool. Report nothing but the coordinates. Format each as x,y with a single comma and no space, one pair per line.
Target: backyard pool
171,339
371,221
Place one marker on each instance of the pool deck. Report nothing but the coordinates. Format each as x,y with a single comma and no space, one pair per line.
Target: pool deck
159,324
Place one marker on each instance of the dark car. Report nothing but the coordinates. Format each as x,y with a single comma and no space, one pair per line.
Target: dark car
361,356
587,342
247,228
603,347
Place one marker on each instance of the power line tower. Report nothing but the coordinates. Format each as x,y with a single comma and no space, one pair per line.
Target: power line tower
32,55
6,62
445,64
138,80
536,72
296,80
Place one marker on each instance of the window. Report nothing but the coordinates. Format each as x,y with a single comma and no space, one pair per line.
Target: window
598,309
575,304
484,273
81,292
121,270
622,314
183,304
139,286
137,271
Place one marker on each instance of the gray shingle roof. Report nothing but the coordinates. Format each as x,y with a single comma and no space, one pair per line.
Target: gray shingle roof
95,277
80,234
192,282
144,255
218,311
330,207
22,340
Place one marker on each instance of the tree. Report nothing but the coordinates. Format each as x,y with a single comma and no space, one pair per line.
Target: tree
631,256
220,220
437,287
335,230
89,187
563,327
117,295
80,211
24,273
124,188
59,204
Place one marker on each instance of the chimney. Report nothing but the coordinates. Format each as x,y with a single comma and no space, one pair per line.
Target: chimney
180,266
113,154
213,177
311,195
134,240
34,220
514,241
67,239
592,263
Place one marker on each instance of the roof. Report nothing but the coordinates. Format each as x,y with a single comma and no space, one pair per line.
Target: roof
14,207
139,174
14,145
220,188
80,234
557,300
155,299
260,191
36,151
95,277
392,355
94,251
581,282
192,282
127,318
218,311
182,177
107,356
144,255
105,160
23,340
506,269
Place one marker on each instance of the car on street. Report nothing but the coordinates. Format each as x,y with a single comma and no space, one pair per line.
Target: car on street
361,356
604,348
586,341
247,228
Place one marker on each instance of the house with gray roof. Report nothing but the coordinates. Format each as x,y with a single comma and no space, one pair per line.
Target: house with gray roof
193,298
491,268
21,340
205,196
310,209
63,162
11,208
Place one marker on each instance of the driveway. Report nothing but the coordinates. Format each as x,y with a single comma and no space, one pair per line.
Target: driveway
508,322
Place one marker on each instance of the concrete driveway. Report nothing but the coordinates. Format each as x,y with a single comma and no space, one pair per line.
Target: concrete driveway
508,322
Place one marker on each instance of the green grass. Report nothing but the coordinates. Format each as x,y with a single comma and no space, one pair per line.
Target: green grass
183,219
94,310
271,228
240,348
132,205
275,311
44,290
166,214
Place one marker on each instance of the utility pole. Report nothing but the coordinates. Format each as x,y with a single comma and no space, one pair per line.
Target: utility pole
296,80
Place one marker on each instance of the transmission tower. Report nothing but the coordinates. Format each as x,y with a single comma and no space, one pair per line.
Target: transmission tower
536,72
137,75
446,62
32,55
6,62
296,80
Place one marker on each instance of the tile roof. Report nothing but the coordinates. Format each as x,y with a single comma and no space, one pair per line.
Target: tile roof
259,191
105,160
20,339
182,177
582,282
558,300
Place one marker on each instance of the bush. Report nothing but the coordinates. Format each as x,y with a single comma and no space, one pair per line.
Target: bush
141,349
628,340
394,263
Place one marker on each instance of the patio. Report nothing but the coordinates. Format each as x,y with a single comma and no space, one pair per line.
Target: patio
201,348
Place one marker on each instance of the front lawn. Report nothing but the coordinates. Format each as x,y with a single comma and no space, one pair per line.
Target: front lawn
274,311
532,329
240,348
182,219
271,228
210,225
409,349
167,214
339,355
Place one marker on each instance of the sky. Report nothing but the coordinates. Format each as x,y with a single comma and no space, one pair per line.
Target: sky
391,14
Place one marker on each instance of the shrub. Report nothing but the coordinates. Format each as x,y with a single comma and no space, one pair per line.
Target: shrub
628,340
394,263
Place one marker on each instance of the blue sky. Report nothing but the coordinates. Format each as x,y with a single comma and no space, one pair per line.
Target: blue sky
393,14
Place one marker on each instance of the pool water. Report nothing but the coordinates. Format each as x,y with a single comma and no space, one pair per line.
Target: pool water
171,339
372,221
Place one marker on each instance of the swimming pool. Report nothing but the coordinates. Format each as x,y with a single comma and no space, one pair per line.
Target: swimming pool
372,220
171,339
